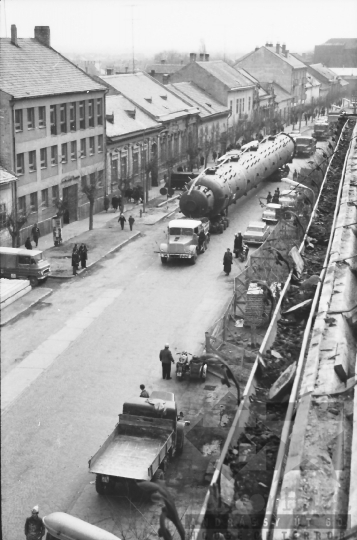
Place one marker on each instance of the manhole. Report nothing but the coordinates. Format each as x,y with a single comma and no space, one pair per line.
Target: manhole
208,387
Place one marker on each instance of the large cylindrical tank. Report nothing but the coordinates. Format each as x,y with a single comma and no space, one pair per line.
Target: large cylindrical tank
215,189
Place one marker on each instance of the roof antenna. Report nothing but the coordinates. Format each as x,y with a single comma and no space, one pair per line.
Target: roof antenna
132,34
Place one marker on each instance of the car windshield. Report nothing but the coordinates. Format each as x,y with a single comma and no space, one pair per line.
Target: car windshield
255,229
176,231
304,140
36,258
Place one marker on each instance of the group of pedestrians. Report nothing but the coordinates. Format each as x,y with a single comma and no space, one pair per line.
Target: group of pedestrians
273,198
79,255
122,221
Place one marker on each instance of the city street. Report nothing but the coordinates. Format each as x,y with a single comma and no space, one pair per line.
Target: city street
62,418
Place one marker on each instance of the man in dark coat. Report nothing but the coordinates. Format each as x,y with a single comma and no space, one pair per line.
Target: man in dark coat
238,244
83,255
35,231
166,359
227,262
28,244
122,220
275,199
131,222
115,203
75,259
34,527
214,155
269,197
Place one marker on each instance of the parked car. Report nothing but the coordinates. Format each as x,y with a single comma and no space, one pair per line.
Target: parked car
288,198
294,133
271,212
19,263
256,233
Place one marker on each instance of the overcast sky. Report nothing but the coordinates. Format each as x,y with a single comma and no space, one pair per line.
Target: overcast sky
230,26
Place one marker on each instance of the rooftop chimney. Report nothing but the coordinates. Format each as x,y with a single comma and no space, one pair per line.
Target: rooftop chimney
192,57
206,57
163,61
286,53
277,48
256,49
14,35
43,35
283,48
202,57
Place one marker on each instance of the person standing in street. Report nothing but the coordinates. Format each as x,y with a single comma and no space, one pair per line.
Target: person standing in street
131,222
28,244
34,527
144,393
122,220
269,197
166,359
35,231
214,155
83,255
227,262
238,244
115,203
295,175
75,259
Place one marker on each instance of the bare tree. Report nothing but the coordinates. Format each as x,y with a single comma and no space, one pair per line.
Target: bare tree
14,223
91,190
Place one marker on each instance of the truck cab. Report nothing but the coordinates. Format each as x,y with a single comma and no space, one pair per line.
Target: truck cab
321,128
182,239
305,146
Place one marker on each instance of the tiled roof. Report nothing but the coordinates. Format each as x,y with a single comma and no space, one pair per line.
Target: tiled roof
198,98
155,98
163,68
290,58
32,69
6,176
229,76
324,71
280,93
124,123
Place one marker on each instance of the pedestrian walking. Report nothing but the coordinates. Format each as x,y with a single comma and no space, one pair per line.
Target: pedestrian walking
166,359
295,175
106,203
34,527
115,203
75,259
269,197
227,262
35,231
83,255
144,393
28,244
238,244
122,220
131,222
214,155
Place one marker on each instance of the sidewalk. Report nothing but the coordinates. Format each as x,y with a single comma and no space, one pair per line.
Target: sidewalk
106,236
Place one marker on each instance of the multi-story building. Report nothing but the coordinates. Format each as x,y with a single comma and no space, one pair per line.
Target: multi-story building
276,64
132,141
7,207
213,116
225,84
338,52
331,89
53,129
178,136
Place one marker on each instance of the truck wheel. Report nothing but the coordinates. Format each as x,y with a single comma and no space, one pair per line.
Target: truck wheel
163,260
33,281
99,486
159,475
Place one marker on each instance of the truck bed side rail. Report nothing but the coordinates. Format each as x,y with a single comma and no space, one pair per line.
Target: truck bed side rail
160,457
126,421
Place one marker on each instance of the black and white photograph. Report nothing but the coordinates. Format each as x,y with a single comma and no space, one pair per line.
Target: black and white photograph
178,269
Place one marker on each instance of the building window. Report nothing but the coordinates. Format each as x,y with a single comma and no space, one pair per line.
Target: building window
135,163
43,158
99,112
237,106
54,155
32,161
20,164
44,197
42,117
22,205
249,103
92,179
63,118
53,120
55,194
64,153
100,143
91,146
84,181
83,148
2,215
243,104
82,120
72,116
91,113
31,118
100,178
73,150
18,120
231,106
123,167
33,202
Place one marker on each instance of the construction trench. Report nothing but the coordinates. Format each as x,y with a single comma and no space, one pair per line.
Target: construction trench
288,467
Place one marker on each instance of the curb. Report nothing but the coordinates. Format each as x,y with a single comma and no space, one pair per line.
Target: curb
168,200
112,250
2,323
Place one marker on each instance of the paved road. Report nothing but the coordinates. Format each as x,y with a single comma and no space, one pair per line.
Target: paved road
112,323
